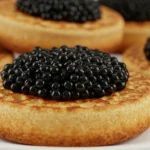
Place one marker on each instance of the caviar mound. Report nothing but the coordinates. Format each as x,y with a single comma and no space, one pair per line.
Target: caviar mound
131,10
65,73
66,10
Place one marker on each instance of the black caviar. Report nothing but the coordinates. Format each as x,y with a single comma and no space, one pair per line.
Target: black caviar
65,73
132,10
67,10
147,49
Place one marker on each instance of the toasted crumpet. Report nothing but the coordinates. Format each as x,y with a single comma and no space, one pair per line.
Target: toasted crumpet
92,122
21,32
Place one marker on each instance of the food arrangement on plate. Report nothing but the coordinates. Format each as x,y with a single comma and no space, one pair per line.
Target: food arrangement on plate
65,89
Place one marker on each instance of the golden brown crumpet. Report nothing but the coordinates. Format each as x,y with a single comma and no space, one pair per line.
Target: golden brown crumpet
21,32
111,119
5,58
135,33
136,60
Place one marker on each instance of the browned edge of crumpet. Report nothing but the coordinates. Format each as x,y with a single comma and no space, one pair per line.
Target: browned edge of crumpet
104,121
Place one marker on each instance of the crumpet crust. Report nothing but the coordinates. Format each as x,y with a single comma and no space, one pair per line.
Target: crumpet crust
109,120
21,32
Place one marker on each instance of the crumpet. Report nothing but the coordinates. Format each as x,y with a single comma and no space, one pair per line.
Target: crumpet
104,121
21,32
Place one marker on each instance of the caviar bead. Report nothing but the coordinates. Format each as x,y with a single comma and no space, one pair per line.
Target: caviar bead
25,89
100,94
64,75
88,84
97,87
55,86
40,83
66,95
88,73
33,90
68,85
123,65
15,87
54,70
79,86
74,78
55,95
42,93
114,87
64,48
115,78
83,78
6,84
75,95
109,90
12,78
4,75
25,75
18,71
70,68
121,85
93,78
28,82
63,58
36,49
103,83
7,67
92,94
85,94
35,64
10,71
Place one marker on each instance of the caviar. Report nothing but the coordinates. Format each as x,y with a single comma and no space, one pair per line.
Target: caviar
65,73
147,49
131,10
67,10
